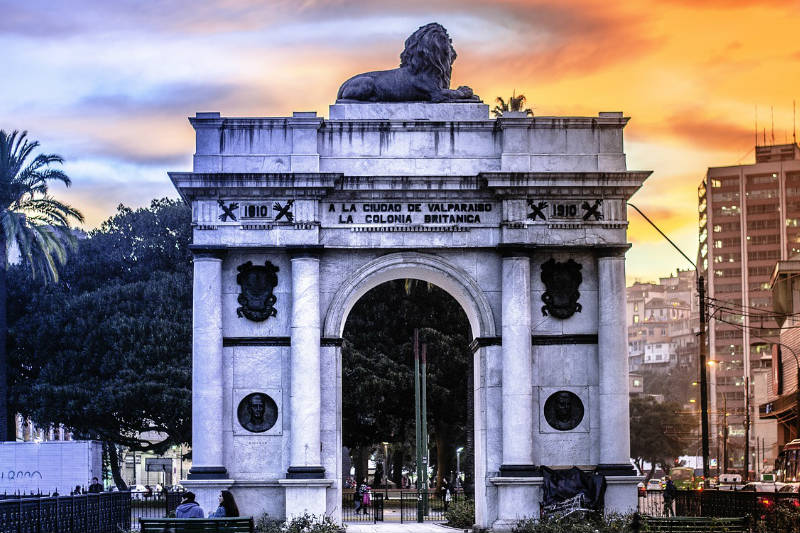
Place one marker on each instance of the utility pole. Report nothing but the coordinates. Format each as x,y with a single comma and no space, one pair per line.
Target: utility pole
725,433
746,428
418,412
424,381
701,293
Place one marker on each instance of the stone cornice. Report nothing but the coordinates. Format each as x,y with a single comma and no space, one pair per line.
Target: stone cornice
561,184
192,185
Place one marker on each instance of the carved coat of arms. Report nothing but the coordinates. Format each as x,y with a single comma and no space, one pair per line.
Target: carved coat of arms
561,281
257,283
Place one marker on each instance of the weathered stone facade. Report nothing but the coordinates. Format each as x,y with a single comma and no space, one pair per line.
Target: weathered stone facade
438,192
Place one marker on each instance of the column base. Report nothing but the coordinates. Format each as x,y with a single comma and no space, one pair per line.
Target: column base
621,494
306,472
518,498
520,471
305,496
207,472
616,469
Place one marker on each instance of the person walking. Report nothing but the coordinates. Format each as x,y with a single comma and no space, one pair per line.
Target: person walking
366,499
446,494
227,506
188,507
358,495
669,496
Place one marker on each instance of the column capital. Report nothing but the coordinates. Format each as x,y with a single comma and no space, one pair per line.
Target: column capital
301,251
515,249
616,251
203,251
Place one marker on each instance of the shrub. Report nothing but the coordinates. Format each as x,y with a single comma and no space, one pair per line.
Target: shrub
612,523
461,514
312,524
268,524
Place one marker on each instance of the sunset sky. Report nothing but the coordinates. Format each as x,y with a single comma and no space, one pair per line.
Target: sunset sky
109,84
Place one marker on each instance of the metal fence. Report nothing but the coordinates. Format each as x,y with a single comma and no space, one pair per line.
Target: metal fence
433,505
108,512
398,506
353,511
152,505
762,507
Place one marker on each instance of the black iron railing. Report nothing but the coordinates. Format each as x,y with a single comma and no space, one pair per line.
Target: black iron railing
355,510
761,507
108,512
433,505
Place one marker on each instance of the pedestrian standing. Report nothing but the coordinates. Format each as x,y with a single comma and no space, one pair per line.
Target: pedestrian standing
446,494
366,499
95,487
669,496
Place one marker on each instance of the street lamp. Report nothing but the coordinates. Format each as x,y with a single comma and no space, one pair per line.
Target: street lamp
385,467
458,467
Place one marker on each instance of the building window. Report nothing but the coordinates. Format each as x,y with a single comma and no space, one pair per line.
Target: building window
635,319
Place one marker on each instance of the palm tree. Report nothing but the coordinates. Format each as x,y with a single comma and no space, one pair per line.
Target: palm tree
35,223
514,103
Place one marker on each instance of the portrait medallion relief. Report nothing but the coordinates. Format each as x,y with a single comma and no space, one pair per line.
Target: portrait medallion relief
563,410
257,412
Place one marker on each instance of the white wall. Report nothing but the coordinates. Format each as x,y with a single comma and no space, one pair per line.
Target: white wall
49,466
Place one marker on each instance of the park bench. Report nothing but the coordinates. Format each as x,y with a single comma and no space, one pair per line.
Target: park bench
239,524
692,524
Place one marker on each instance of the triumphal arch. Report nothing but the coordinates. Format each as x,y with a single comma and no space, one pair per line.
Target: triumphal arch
521,219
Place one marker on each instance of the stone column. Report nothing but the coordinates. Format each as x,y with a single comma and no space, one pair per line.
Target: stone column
517,367
612,351
305,485
304,456
612,337
207,392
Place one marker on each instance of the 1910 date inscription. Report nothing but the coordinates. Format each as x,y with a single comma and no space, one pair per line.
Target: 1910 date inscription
581,209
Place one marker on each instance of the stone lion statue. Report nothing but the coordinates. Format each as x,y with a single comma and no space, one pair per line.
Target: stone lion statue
423,76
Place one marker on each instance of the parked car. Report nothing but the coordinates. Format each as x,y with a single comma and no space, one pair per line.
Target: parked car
654,484
790,487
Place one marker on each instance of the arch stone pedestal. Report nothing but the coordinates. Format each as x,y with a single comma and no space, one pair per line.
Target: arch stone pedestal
522,220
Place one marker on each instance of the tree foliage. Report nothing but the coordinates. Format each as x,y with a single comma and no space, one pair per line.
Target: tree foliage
107,350
35,224
378,371
659,432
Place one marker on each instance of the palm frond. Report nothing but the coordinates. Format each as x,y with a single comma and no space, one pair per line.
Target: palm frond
29,217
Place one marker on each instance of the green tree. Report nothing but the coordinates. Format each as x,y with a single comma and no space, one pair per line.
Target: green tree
32,222
378,369
659,432
107,350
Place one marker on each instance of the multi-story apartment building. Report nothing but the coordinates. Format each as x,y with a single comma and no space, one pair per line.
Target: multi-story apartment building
661,327
749,218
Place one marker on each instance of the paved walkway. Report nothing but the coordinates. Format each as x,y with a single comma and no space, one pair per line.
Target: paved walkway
395,527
